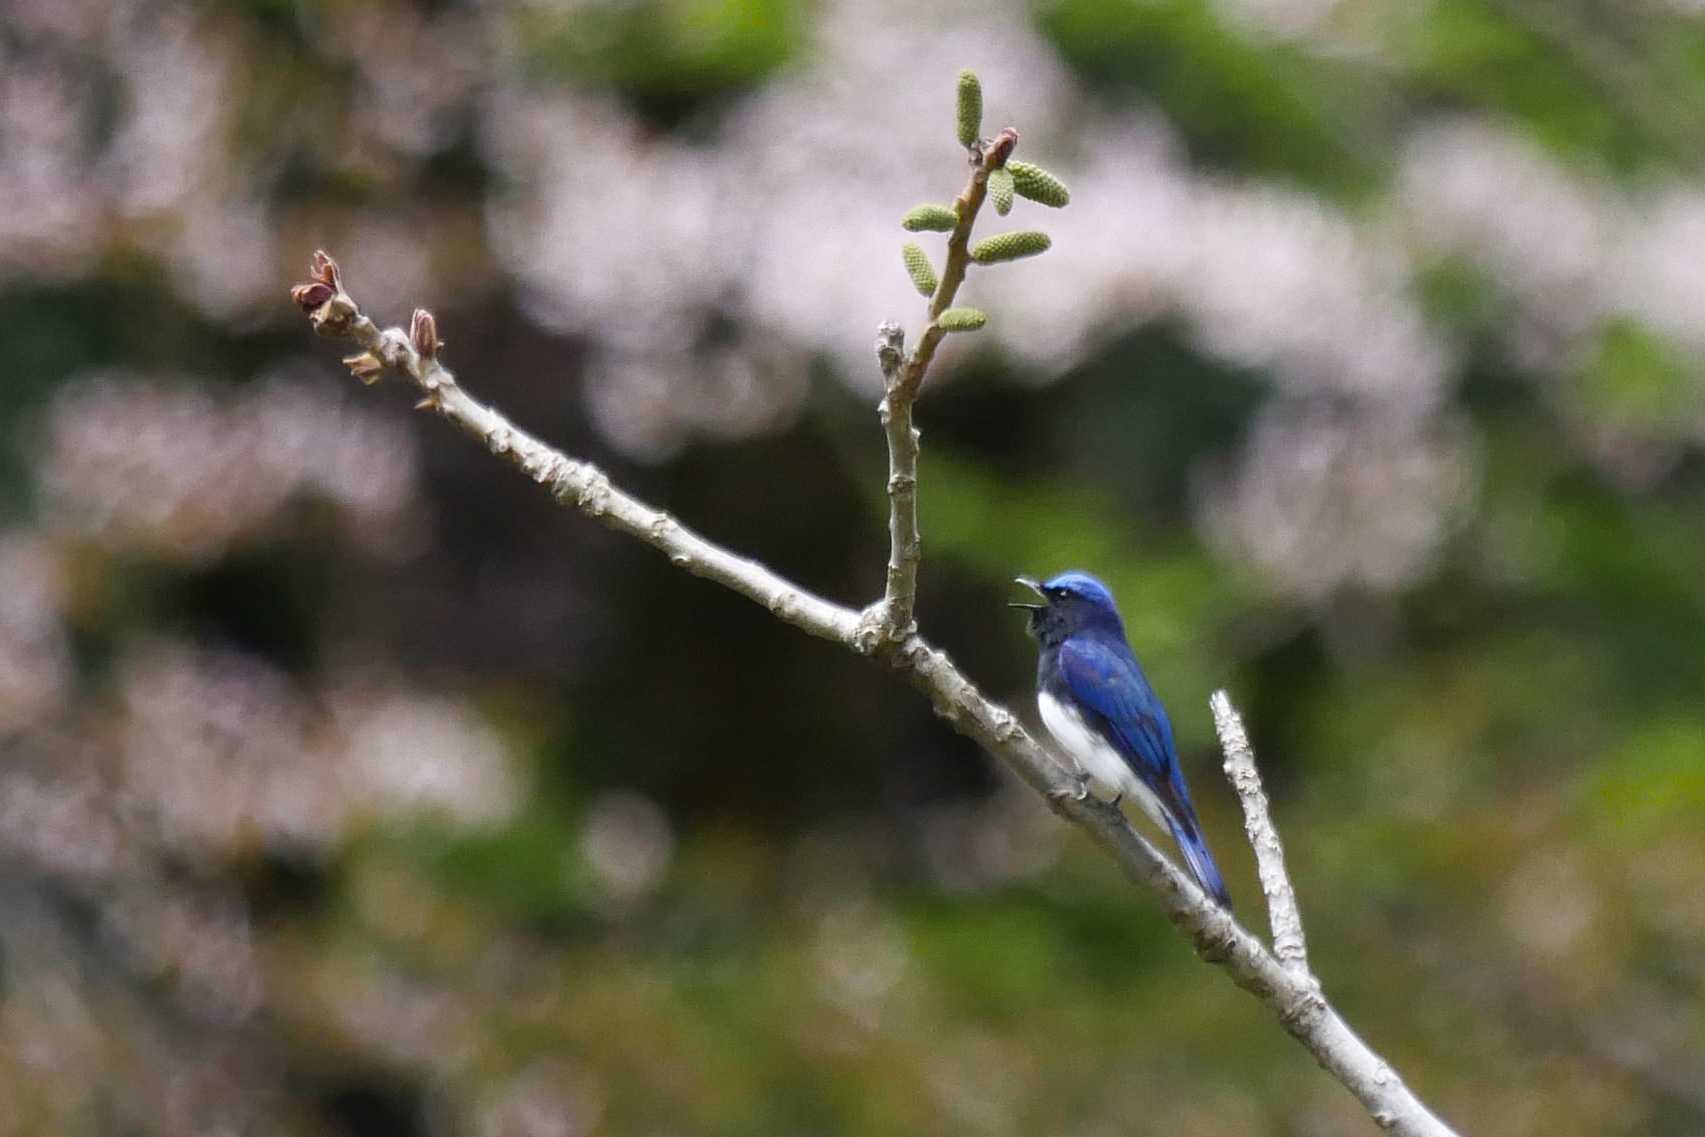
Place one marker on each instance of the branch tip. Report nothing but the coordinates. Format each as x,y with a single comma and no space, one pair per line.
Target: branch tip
1289,944
423,334
324,270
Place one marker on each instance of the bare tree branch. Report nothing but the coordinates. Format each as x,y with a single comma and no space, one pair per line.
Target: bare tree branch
1288,942
1296,1000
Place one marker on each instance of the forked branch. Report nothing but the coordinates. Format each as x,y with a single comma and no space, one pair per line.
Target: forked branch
1294,997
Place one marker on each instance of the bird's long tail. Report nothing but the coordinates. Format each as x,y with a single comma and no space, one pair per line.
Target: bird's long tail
1201,862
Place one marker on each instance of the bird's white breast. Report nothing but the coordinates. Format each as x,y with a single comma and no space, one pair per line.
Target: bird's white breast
1095,756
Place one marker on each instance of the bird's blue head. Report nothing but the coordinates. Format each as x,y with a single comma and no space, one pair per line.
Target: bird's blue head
1072,602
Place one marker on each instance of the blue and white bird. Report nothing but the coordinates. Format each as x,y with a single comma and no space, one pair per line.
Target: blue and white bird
1098,705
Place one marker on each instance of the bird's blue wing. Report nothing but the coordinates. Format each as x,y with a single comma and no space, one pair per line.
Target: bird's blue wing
1109,686
1106,680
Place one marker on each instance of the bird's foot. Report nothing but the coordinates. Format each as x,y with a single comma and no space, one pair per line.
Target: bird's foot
1080,793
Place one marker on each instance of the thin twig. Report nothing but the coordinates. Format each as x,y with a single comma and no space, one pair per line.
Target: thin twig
1288,942
903,378
905,548
966,205
582,485
1218,938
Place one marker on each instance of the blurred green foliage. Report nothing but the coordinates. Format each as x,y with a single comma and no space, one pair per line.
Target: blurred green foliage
1243,106
667,55
1490,777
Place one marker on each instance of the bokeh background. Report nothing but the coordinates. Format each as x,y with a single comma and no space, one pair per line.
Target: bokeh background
348,787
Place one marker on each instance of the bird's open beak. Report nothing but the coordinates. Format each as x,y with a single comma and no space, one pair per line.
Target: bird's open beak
1033,585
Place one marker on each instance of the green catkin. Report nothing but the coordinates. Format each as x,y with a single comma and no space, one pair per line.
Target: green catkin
961,320
970,108
1009,246
1038,184
1000,190
919,268
929,218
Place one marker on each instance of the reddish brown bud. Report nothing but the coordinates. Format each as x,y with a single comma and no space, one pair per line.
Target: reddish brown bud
312,297
325,271
423,331
1001,148
365,367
